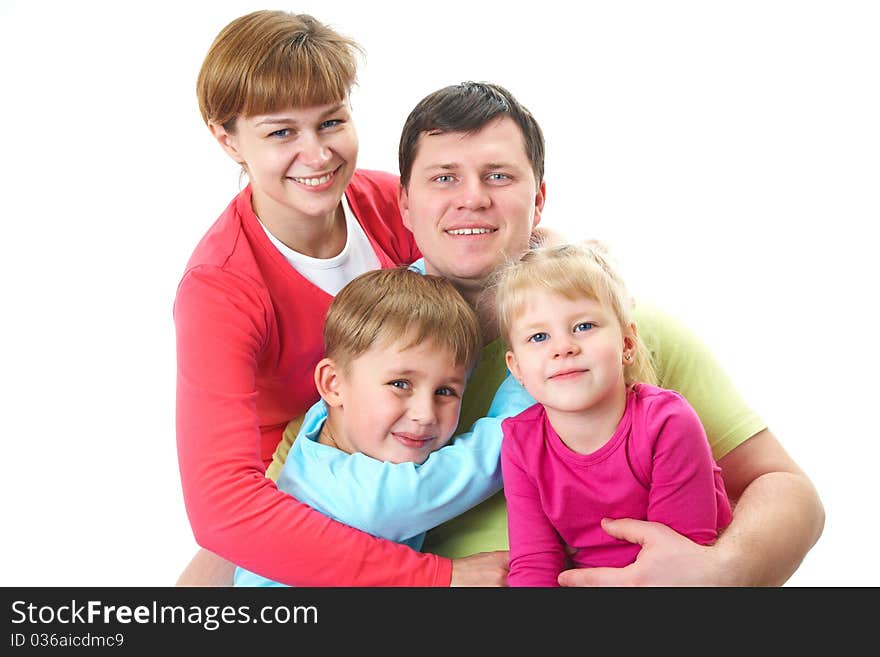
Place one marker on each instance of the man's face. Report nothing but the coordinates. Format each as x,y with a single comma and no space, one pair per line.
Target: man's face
472,201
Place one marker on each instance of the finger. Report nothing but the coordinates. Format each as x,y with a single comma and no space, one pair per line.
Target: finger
628,529
594,577
503,557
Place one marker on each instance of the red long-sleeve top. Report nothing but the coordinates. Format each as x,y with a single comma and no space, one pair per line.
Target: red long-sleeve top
249,334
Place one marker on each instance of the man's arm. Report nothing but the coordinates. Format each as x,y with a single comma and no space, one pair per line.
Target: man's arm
777,518
771,491
206,569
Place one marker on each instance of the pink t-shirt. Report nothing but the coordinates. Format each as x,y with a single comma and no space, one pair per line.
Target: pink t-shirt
657,466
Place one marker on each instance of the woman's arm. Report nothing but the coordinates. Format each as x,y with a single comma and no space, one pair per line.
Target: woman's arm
234,510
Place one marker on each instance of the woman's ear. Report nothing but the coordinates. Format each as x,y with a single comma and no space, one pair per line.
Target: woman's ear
228,142
327,381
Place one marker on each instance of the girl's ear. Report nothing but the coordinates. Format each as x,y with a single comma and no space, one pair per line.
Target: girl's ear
327,381
228,142
630,340
510,359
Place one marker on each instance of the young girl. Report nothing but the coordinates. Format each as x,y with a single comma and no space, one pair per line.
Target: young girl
602,442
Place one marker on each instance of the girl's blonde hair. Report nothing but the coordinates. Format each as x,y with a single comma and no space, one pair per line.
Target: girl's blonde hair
387,305
267,61
572,271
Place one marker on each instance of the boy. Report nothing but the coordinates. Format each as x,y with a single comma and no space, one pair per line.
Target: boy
398,349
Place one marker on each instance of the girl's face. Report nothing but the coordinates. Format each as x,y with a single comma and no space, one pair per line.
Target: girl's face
299,160
569,354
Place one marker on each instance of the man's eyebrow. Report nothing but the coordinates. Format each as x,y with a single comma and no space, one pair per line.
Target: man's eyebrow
445,166
449,166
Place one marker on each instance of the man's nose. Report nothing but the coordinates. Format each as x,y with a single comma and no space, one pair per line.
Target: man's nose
472,195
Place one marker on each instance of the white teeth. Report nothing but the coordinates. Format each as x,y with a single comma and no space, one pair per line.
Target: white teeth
470,231
312,182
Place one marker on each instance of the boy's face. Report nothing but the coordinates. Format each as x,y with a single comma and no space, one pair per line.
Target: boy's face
472,199
569,354
398,404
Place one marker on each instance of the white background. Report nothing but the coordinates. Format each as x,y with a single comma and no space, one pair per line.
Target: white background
728,152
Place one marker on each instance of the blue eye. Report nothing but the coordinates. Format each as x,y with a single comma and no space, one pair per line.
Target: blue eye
498,176
446,392
332,123
284,132
400,384
583,326
539,337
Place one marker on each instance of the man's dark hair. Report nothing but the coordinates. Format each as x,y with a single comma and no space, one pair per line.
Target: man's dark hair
468,107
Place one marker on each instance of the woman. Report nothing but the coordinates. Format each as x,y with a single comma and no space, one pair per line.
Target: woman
274,90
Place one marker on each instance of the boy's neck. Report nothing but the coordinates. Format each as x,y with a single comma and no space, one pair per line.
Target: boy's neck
331,435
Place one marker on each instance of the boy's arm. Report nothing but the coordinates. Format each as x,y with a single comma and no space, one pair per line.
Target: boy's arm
398,501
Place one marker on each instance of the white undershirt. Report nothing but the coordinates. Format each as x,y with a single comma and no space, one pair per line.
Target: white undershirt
331,274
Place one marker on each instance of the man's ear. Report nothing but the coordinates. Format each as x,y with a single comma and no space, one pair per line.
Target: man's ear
403,204
510,359
540,198
228,141
327,381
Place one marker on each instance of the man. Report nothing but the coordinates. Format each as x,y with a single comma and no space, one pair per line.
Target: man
472,192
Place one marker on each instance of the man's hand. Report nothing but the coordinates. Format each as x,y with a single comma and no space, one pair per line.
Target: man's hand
666,559
481,569
207,569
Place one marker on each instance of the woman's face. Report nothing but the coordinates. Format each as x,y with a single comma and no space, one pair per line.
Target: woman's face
299,160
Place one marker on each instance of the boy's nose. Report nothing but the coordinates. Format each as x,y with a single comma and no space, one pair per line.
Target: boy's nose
422,409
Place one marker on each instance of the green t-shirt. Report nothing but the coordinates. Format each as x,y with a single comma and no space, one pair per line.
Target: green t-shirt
682,362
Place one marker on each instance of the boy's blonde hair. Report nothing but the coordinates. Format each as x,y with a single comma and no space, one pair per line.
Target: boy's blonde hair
572,271
267,61
386,305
